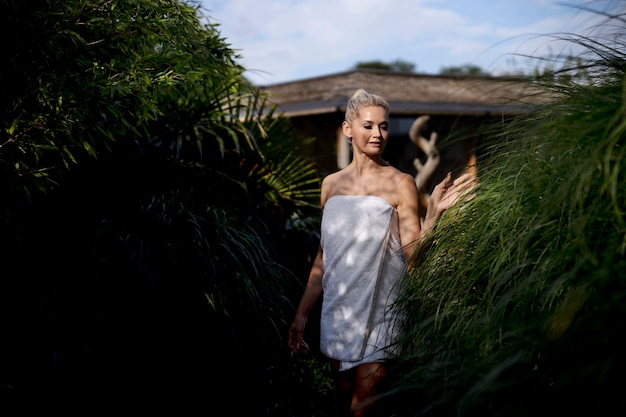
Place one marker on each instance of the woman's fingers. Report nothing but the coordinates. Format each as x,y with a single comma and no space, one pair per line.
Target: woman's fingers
451,190
296,341
304,347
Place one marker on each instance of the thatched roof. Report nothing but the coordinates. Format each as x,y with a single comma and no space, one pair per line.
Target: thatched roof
407,93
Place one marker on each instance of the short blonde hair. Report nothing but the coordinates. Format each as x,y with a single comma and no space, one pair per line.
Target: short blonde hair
360,99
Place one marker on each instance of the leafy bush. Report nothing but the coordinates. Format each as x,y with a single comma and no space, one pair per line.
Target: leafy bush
153,209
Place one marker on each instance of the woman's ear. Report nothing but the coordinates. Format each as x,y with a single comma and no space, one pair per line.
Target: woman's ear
347,131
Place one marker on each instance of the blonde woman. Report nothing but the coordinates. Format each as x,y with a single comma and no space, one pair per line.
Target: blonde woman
370,226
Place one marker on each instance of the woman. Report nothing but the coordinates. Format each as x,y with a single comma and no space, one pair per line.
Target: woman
370,227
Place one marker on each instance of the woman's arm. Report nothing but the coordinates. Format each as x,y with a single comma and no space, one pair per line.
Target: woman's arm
310,296
408,215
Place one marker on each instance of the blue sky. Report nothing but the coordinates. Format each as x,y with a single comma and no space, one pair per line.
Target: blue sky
289,40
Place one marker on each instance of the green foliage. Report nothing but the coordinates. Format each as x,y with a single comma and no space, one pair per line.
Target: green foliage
398,65
154,209
517,306
83,77
463,70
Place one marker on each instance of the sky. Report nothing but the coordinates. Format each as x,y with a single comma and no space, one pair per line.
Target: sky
290,40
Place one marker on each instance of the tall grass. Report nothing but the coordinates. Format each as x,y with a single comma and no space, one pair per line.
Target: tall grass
518,305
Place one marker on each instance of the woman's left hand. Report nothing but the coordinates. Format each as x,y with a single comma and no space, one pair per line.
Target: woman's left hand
449,191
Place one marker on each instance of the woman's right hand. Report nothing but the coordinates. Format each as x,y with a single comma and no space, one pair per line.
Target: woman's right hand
296,332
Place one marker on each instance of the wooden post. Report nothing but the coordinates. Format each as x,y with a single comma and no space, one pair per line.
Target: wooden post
344,150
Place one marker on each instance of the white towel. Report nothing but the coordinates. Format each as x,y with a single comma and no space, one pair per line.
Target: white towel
363,262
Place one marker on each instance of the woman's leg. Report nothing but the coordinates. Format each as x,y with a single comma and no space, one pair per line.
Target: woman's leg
345,385
366,382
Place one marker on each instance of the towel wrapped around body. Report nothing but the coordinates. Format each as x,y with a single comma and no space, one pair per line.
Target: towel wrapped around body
363,262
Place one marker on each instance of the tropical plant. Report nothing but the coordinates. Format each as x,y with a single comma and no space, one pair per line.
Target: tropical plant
153,206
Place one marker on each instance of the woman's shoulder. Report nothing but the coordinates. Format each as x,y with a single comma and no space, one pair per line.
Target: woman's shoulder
406,177
401,178
330,183
401,188
333,178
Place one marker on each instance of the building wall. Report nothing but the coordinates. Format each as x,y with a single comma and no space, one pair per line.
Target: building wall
457,142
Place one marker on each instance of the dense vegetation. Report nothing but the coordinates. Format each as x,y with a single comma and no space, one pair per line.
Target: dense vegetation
519,302
153,214
157,221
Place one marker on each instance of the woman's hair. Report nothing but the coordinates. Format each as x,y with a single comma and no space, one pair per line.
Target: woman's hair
360,99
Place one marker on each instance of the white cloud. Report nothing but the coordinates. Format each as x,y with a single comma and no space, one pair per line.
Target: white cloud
293,39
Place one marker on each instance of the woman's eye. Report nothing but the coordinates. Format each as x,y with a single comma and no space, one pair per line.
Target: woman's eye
382,127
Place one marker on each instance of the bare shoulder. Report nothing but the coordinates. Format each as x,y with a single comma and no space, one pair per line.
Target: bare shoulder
330,181
404,190
329,185
330,178
405,183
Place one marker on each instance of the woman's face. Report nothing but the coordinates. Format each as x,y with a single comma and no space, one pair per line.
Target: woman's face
369,131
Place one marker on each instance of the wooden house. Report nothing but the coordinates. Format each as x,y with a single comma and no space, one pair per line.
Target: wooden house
453,108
